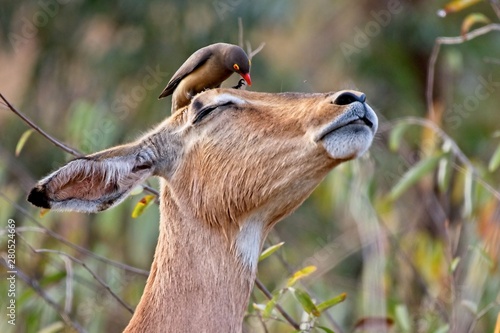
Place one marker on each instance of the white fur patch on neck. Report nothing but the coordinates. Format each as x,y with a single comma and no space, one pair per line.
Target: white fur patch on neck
227,98
248,243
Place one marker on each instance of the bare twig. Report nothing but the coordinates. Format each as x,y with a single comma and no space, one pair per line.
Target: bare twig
268,294
68,258
70,244
68,303
422,284
94,275
435,52
492,61
56,142
253,53
290,270
259,315
33,284
39,130
240,32
495,5
250,53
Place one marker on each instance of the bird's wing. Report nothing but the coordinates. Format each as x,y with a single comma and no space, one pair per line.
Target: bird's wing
193,62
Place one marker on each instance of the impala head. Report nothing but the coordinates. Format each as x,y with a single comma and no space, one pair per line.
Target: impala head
231,156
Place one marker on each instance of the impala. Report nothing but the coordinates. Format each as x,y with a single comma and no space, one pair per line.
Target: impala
232,164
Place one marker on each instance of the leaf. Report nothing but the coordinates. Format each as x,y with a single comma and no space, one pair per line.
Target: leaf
259,307
327,330
472,19
443,329
308,270
22,141
458,5
58,326
271,305
43,212
444,169
403,317
331,302
142,205
306,302
495,160
396,135
483,254
270,250
413,175
468,187
454,264
137,190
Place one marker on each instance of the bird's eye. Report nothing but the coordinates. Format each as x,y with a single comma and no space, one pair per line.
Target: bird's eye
236,67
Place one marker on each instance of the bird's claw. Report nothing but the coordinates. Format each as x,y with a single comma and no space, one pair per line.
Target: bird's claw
241,83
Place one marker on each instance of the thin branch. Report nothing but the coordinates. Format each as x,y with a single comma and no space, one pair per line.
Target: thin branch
56,142
422,284
94,275
259,315
250,53
240,32
493,61
33,284
39,130
290,270
435,52
256,51
72,245
68,304
68,258
495,5
268,294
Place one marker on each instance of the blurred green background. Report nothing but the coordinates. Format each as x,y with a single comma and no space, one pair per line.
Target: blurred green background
421,257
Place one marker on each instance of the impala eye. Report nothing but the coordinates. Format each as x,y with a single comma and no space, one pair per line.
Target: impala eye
236,67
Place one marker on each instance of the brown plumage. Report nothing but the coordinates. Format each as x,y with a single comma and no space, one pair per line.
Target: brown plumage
205,69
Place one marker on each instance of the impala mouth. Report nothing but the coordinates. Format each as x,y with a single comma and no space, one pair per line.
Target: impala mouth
349,135
360,121
336,125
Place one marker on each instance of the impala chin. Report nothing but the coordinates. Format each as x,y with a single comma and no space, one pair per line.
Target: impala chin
350,135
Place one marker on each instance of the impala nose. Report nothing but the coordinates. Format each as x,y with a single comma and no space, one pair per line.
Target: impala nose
348,97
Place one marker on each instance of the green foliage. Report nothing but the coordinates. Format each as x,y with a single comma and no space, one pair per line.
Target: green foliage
413,175
270,250
22,141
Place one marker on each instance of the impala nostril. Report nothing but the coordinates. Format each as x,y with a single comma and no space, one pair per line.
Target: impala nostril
347,98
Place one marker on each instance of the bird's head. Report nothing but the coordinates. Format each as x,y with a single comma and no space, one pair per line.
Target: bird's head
237,61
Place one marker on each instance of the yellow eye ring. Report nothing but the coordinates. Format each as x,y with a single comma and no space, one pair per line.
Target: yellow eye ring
236,67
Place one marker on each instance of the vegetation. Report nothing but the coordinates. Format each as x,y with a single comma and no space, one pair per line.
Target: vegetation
406,239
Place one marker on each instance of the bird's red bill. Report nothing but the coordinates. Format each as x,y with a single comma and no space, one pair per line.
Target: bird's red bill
247,78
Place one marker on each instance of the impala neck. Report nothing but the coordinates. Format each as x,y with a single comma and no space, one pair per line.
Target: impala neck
198,282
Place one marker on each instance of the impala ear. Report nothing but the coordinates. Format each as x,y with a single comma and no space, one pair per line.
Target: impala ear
93,183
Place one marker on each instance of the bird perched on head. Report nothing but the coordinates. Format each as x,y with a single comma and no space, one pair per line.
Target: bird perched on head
207,68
